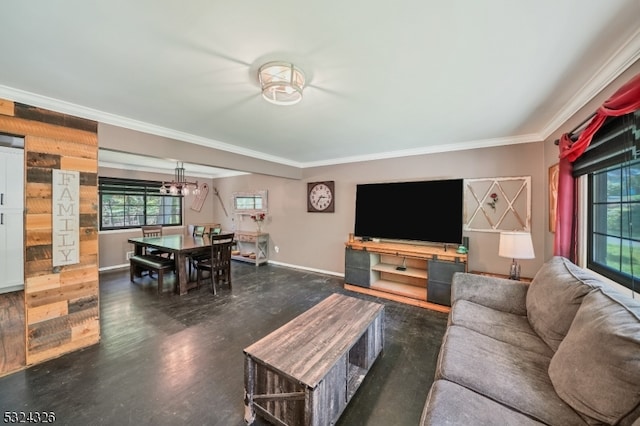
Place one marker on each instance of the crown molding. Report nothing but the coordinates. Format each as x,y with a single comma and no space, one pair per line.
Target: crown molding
128,123
625,56
484,143
116,120
167,170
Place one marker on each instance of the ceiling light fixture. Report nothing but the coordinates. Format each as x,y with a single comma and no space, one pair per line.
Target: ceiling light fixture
282,83
180,186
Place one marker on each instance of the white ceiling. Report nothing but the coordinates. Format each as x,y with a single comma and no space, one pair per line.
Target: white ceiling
384,78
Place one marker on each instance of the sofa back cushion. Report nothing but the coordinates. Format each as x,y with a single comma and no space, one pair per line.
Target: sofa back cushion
554,297
596,369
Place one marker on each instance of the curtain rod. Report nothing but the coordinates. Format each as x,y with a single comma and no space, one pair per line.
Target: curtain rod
557,141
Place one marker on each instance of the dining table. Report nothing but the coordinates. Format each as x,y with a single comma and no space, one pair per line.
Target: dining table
181,247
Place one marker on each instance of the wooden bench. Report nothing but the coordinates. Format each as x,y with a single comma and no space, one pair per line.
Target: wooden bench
157,264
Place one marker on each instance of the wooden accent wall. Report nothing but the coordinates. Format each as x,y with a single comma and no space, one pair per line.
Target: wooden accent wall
12,353
61,303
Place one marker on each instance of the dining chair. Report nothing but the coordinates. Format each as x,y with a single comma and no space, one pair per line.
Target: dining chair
219,262
198,231
153,231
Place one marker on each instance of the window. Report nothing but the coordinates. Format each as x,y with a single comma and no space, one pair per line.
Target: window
614,222
126,203
612,166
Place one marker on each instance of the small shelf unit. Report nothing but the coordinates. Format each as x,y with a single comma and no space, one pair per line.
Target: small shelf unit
253,247
415,274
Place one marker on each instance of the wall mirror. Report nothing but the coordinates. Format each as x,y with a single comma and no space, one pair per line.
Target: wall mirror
250,202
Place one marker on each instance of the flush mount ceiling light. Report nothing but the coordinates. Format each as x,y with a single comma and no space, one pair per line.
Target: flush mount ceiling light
282,83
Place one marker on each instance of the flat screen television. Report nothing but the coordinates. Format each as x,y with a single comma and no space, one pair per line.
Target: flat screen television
429,211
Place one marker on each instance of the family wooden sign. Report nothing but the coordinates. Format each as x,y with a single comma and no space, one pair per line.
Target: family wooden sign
66,217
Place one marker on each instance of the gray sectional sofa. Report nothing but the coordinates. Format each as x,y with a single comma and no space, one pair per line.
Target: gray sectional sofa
563,350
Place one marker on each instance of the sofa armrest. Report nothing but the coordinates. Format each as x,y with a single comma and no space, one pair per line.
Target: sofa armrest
496,293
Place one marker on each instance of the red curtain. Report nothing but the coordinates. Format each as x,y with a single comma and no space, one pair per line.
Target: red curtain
624,101
565,241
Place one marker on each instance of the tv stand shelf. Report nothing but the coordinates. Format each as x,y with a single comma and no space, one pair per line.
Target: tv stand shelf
399,289
393,269
415,274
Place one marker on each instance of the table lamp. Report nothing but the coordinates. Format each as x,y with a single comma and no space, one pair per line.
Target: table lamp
516,245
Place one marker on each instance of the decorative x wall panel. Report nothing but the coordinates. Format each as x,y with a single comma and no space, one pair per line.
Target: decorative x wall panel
497,204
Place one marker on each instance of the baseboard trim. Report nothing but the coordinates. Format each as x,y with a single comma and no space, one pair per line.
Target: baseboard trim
113,268
287,265
305,268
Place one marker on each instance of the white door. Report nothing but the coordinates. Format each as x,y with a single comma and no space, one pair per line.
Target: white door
11,178
11,219
11,251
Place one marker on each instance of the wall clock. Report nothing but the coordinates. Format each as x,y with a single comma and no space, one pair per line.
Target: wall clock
321,197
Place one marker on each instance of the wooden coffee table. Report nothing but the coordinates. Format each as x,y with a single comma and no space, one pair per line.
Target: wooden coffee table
305,372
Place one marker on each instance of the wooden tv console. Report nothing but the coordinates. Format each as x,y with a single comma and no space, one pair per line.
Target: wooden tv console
415,274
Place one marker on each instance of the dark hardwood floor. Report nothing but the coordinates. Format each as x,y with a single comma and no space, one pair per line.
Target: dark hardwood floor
168,359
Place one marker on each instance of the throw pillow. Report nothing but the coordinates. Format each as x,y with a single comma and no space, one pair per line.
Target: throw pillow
596,369
555,296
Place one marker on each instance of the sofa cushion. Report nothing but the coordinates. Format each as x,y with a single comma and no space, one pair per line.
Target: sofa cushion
555,296
505,373
596,369
500,325
452,404
497,293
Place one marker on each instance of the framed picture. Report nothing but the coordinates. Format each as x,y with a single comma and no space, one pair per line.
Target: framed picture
553,195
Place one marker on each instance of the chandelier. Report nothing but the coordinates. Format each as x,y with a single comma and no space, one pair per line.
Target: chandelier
282,83
179,185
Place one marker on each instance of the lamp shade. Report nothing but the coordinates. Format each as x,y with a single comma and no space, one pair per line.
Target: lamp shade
516,245
281,82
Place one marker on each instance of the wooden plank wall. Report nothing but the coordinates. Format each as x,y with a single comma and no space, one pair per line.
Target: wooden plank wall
12,353
61,303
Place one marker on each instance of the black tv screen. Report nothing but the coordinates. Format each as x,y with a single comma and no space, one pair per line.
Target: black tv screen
428,211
